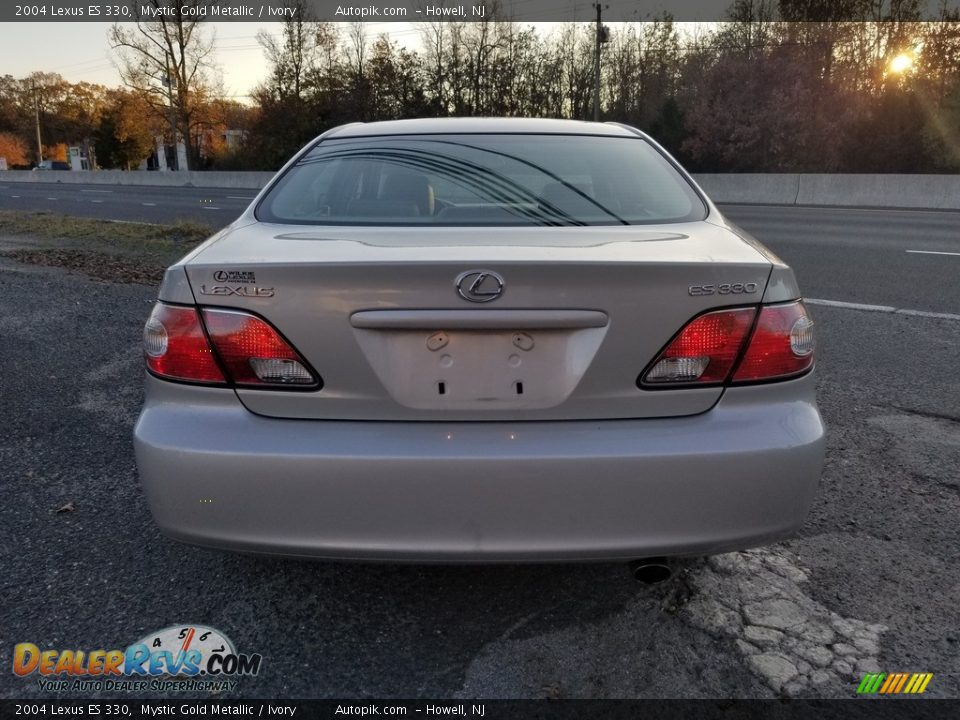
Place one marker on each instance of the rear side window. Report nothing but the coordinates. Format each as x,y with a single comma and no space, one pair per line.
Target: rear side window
477,180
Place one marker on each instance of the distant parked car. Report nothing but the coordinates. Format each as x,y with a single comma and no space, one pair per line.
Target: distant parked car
475,340
53,165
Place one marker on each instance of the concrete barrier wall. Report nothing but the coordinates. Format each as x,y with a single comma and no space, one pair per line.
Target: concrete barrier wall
228,180
893,191
842,190
751,188
931,192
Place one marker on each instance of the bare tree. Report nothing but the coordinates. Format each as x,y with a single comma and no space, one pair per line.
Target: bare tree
293,55
482,41
357,37
168,61
749,24
433,36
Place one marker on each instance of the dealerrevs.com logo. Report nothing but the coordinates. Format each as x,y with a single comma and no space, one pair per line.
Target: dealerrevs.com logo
180,657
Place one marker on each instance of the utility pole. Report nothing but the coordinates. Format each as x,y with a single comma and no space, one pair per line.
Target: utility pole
36,111
603,35
173,115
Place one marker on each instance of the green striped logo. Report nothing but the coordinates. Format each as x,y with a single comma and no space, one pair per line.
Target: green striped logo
894,683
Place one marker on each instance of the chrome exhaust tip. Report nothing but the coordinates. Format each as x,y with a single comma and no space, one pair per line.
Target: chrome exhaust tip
651,571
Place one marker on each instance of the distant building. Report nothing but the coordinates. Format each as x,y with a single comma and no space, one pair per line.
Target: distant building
234,138
79,157
165,157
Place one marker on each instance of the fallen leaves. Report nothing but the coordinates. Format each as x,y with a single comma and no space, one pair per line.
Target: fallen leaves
97,265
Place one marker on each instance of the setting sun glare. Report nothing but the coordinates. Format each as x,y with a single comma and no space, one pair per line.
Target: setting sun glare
901,63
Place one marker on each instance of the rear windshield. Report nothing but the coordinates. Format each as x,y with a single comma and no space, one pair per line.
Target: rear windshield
477,180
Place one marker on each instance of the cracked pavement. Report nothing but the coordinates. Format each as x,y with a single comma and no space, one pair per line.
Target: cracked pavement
871,583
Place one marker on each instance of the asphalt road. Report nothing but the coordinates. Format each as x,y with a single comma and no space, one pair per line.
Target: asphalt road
901,259
896,258
872,583
216,207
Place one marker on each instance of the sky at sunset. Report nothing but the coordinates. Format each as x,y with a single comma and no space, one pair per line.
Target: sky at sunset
81,51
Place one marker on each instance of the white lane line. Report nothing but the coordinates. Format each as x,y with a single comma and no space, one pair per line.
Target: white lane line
16,196
839,208
51,198
149,204
96,201
851,306
210,208
239,197
924,313
97,191
932,252
883,309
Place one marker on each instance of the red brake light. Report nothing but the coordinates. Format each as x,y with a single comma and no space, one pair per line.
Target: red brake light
781,346
705,350
175,346
253,353
250,351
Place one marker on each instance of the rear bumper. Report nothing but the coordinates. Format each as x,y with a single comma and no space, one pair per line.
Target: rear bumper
742,474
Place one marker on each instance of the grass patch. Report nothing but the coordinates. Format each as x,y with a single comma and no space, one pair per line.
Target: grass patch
105,249
53,226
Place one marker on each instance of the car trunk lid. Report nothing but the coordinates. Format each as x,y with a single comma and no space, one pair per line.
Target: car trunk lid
377,312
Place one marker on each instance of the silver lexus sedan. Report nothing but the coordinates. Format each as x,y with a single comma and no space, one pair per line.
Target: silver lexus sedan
480,340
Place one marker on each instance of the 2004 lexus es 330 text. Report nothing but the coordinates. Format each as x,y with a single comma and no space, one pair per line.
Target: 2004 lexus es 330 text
478,340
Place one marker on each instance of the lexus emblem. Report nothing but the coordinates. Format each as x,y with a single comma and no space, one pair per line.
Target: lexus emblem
479,286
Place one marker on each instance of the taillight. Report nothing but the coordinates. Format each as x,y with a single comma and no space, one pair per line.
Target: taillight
249,350
253,353
705,350
710,346
781,346
176,348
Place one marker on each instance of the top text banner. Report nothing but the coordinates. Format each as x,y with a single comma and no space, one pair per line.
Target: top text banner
416,11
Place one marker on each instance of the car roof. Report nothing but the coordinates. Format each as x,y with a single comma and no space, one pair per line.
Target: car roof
433,126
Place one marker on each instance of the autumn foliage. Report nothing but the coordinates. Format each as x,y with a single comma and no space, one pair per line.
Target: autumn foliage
13,149
774,88
750,94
